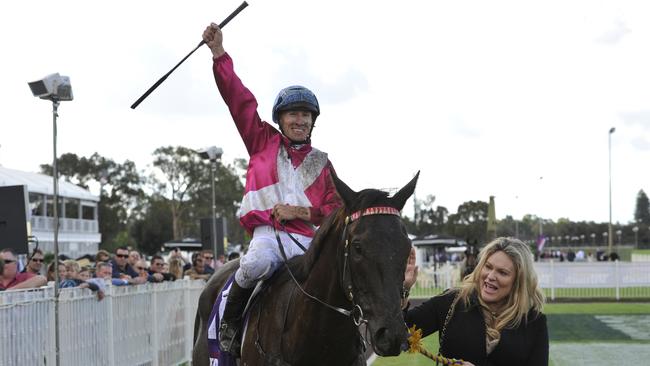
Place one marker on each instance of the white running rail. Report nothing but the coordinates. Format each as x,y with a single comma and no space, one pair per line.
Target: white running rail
151,324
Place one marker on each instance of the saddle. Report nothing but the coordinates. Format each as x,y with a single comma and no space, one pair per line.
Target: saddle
217,357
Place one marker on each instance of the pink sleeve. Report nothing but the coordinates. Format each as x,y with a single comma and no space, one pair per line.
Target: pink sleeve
242,105
331,199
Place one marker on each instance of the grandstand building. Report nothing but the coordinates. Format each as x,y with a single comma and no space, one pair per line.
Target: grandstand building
78,213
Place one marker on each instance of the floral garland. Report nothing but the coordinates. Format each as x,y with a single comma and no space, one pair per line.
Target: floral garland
415,345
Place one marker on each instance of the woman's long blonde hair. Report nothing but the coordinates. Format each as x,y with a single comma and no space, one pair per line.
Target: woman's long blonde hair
525,294
176,268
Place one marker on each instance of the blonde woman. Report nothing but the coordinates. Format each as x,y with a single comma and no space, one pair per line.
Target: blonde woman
176,267
495,317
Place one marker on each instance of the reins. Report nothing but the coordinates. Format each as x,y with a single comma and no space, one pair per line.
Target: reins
286,263
356,313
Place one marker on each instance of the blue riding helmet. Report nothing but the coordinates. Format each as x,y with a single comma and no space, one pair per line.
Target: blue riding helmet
295,97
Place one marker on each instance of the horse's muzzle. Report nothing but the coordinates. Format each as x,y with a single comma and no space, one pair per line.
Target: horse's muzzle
388,341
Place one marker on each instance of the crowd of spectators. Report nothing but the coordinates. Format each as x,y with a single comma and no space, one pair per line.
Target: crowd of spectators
125,267
579,255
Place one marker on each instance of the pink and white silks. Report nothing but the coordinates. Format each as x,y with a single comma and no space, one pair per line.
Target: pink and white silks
278,173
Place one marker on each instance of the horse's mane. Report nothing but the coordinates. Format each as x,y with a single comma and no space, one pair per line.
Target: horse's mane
333,225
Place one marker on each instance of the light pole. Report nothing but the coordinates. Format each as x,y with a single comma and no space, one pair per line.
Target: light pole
55,88
636,236
609,235
605,236
515,217
213,154
593,239
619,233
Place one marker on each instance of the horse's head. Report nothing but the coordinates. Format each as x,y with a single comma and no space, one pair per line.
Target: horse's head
377,248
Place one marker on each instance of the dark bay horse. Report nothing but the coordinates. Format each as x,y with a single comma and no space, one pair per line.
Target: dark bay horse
351,274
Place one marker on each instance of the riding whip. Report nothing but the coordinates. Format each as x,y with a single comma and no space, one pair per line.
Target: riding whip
160,81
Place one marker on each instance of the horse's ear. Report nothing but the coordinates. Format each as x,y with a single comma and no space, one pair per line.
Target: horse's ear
399,199
346,193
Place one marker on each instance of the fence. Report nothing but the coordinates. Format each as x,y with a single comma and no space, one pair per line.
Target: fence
595,280
150,324
566,280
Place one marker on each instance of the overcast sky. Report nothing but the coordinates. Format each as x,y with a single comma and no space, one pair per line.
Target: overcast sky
483,97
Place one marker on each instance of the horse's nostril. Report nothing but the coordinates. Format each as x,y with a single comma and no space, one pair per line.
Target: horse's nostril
381,333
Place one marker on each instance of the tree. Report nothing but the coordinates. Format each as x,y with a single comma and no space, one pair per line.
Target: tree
507,226
228,194
188,190
469,222
120,190
155,227
642,211
182,170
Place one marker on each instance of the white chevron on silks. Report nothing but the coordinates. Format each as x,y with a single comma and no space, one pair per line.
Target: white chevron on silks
292,182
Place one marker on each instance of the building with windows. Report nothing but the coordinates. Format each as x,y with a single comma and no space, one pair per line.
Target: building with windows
77,211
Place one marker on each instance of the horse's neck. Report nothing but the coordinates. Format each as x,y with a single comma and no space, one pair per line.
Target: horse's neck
318,324
324,277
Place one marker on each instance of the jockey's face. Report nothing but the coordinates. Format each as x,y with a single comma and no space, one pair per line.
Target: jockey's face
296,125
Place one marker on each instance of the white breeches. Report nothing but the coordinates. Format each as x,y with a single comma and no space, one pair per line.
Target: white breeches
263,256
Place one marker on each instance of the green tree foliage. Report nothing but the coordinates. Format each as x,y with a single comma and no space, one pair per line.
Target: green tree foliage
428,220
120,190
642,211
469,222
182,169
188,189
508,227
140,212
155,227
228,194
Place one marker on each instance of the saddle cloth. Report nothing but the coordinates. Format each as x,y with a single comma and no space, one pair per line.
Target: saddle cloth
218,358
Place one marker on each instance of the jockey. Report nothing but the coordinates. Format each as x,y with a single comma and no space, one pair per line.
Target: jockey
287,181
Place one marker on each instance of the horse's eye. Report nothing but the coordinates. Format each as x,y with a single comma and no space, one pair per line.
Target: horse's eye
356,247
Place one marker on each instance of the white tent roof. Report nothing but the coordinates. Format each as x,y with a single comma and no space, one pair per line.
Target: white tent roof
40,183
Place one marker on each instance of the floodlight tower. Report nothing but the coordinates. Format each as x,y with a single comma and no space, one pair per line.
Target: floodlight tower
55,88
213,154
609,234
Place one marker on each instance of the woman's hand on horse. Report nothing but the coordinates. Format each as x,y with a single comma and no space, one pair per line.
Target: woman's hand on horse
287,212
213,37
411,273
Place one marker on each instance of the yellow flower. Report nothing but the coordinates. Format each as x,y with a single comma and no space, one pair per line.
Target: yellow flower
415,339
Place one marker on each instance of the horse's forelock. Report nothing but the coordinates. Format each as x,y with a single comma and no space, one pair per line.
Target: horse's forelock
369,198
334,224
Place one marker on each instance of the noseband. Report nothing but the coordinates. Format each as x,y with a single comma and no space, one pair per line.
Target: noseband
355,313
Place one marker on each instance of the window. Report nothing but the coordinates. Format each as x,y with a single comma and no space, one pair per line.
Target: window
50,208
36,204
71,208
88,212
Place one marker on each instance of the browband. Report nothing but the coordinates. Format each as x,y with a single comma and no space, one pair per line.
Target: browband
380,210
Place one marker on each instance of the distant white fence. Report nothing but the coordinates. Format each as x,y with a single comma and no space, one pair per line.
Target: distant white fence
595,279
151,324
566,280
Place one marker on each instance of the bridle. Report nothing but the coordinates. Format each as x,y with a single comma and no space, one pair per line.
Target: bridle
356,313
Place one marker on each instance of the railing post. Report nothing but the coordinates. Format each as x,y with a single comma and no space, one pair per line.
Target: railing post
154,321
111,335
618,280
52,326
189,329
449,273
552,280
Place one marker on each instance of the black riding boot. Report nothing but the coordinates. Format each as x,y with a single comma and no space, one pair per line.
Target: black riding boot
232,317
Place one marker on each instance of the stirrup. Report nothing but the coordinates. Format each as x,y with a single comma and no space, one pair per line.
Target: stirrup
229,339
